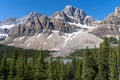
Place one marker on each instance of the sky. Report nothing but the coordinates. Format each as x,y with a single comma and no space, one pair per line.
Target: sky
98,9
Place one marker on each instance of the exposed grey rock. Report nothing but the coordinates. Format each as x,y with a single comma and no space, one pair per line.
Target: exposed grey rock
30,17
109,26
9,21
74,15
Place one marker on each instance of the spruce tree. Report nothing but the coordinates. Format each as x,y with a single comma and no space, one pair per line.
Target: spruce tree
113,66
50,69
28,73
118,57
69,75
4,69
58,69
63,71
103,63
78,73
0,58
40,67
88,71
21,65
73,67
13,70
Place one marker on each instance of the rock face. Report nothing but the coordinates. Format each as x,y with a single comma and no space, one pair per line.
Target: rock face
74,15
9,21
31,27
60,21
12,25
109,26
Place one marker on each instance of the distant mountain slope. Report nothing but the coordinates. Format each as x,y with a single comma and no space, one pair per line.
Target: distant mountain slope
110,26
63,43
8,25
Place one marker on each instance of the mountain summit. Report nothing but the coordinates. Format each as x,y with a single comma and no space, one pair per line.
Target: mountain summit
117,11
71,14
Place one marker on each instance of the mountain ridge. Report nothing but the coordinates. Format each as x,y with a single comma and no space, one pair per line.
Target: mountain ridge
64,31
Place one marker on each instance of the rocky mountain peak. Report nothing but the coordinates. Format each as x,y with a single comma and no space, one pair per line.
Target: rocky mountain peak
30,17
68,6
117,11
34,14
73,11
9,21
72,14
69,10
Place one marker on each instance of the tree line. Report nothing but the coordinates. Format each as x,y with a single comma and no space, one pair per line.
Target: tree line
100,64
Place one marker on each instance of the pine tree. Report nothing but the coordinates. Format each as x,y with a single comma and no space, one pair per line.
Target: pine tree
113,66
0,66
13,70
118,57
4,69
58,69
73,67
0,58
50,69
69,75
103,64
63,71
28,73
88,72
96,62
40,68
21,65
78,75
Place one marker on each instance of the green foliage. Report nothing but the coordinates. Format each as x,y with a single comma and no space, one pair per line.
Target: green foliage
13,71
40,67
89,72
103,57
10,50
21,65
4,69
78,74
114,75
113,40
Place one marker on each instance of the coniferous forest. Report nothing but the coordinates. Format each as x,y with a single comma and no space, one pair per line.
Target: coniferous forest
95,64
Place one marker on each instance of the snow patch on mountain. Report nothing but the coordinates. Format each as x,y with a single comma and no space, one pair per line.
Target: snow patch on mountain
69,36
1,34
7,26
80,25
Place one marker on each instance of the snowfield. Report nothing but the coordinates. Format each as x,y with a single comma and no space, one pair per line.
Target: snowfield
80,25
1,34
7,26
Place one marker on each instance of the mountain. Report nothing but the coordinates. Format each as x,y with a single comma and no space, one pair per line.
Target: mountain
16,21
9,21
30,17
8,25
72,20
109,26
64,31
74,15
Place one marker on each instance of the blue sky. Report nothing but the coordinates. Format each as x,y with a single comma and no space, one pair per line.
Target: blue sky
99,9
